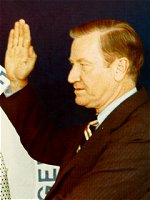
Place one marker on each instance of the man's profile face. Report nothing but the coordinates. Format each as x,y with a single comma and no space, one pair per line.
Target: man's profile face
91,79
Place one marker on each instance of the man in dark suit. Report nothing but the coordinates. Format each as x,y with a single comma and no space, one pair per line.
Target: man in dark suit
114,161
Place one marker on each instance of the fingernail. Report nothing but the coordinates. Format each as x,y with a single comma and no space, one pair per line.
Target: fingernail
22,20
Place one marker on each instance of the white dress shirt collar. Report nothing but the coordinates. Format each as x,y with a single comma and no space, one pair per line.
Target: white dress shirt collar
104,114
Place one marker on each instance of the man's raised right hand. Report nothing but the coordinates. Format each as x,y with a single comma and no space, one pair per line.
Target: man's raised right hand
20,56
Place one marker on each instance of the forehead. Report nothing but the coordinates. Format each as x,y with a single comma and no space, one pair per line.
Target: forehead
86,46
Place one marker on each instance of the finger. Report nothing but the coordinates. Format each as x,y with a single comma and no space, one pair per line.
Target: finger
16,34
32,53
21,34
10,39
27,36
22,21
33,57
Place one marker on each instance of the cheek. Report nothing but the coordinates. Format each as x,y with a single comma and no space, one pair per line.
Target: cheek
93,84
99,84
95,80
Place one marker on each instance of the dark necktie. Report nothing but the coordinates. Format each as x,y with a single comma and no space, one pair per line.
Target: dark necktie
88,133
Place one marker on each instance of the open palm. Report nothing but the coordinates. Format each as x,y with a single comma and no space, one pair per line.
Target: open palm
20,56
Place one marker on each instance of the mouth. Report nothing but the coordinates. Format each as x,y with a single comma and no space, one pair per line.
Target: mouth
78,90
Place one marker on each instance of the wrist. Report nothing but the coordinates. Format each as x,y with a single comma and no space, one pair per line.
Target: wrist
18,85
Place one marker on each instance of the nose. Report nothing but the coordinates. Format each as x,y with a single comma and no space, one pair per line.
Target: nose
74,74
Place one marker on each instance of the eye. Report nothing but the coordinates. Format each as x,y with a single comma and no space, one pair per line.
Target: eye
85,66
82,64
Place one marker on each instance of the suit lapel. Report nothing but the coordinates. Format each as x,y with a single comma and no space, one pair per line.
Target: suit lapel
94,147
87,156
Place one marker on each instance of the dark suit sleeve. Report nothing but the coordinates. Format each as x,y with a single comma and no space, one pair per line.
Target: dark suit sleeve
38,136
122,172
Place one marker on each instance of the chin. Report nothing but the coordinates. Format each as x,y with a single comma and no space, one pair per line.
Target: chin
81,102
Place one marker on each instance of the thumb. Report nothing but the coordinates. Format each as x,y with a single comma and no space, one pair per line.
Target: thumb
32,57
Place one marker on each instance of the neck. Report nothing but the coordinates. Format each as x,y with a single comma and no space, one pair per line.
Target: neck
120,91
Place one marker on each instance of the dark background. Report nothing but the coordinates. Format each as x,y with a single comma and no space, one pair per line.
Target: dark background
50,22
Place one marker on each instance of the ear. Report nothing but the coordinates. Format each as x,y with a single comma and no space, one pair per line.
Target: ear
121,68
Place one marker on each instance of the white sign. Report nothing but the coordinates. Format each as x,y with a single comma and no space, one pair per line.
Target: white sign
28,179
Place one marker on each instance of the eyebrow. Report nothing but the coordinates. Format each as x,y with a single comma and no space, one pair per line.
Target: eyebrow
81,60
